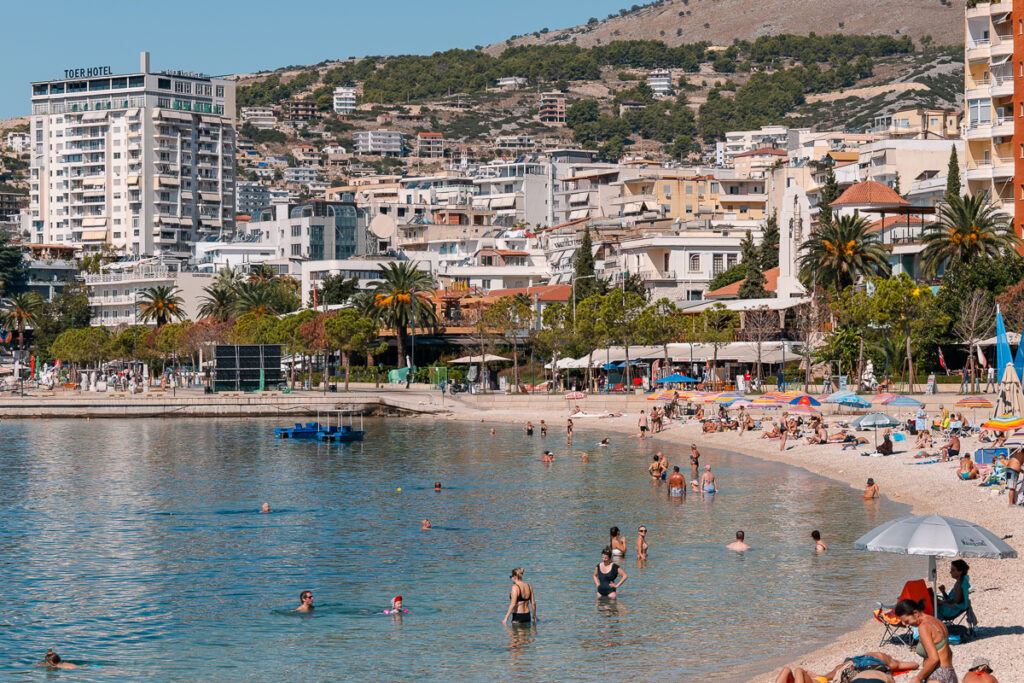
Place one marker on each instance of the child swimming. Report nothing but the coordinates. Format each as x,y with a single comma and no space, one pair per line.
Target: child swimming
396,607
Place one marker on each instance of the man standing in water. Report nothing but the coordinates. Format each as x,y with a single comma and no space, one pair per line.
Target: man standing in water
642,424
306,600
739,545
819,545
676,482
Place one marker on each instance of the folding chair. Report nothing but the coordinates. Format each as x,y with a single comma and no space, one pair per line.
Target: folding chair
885,614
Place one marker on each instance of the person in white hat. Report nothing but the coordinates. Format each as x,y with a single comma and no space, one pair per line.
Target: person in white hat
980,671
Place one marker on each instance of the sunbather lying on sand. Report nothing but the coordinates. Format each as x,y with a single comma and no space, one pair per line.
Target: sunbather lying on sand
772,433
870,666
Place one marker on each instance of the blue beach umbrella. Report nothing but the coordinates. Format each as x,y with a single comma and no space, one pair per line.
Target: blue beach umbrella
837,396
676,378
854,402
804,400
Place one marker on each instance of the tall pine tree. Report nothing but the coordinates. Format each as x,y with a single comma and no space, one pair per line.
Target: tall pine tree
752,286
768,251
953,175
586,283
829,193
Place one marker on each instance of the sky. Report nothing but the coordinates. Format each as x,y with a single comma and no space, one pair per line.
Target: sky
240,36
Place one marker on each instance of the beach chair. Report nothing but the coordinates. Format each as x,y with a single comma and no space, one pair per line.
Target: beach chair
886,616
987,456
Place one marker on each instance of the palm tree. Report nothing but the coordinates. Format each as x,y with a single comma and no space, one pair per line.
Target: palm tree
262,274
20,311
969,227
161,304
255,297
401,296
218,302
842,251
228,278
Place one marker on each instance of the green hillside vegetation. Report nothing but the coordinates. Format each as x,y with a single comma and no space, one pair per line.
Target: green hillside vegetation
412,78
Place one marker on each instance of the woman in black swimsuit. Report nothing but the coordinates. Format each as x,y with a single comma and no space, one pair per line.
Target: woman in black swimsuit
606,573
521,603
568,431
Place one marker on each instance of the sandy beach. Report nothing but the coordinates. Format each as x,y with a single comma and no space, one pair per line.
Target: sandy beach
930,489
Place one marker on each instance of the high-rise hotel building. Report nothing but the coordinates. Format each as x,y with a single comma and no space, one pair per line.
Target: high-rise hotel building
994,103
144,162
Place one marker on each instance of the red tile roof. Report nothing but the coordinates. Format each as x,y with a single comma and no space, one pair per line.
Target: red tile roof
870,192
547,293
771,277
429,135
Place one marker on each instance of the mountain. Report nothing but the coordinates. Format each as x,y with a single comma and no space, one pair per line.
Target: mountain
722,21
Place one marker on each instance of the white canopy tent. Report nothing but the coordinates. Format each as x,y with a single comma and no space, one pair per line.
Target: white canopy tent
487,358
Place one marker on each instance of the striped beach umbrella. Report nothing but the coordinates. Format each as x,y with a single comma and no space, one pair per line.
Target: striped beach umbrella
803,410
854,402
803,400
901,400
727,396
973,402
837,396
880,399
1004,423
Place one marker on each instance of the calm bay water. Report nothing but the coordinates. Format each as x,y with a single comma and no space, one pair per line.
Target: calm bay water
135,547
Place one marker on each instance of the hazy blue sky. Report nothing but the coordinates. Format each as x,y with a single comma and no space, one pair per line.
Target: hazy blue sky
41,39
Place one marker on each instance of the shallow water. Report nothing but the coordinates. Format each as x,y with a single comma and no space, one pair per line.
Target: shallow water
136,547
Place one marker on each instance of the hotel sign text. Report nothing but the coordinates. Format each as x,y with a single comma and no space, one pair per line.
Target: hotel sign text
88,72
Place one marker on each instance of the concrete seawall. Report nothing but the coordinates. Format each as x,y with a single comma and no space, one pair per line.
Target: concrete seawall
195,404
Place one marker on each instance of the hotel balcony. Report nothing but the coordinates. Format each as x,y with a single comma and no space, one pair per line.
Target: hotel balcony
1002,167
978,50
980,171
979,130
1002,127
658,276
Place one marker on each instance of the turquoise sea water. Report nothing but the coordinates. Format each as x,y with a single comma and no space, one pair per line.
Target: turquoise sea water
136,546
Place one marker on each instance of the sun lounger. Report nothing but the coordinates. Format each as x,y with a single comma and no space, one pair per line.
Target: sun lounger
885,614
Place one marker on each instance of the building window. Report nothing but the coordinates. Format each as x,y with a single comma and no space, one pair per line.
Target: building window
296,250
731,260
716,264
694,263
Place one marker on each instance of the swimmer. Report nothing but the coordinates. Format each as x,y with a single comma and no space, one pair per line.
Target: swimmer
543,428
605,441
425,524
396,607
53,661
437,486
528,428
641,543
739,545
617,542
694,458
568,432
870,491
492,432
585,457
695,485
655,468
306,600
606,573
676,482
522,607
547,458
819,545
664,465
707,481
265,509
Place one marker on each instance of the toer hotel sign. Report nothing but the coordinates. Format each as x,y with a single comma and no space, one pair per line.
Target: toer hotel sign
88,72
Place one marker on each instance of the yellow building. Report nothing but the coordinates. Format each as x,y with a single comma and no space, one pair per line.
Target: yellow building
988,95
687,196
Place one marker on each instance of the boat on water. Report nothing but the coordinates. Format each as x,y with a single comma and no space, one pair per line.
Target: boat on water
339,433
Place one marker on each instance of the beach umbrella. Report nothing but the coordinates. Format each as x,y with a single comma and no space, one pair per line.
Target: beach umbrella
803,410
726,396
935,536
854,402
880,399
740,403
838,396
575,396
875,421
676,377
803,400
1010,399
1004,423
973,402
900,400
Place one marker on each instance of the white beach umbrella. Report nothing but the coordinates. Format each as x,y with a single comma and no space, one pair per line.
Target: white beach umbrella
935,536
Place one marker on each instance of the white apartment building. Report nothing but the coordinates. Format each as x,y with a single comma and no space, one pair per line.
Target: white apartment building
883,160
344,100
114,294
512,82
660,82
251,196
254,246
366,270
429,145
515,143
144,162
299,175
388,143
263,118
739,141
18,142
517,192
314,230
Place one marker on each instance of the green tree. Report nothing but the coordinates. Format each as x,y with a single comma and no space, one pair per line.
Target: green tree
969,228
510,317
660,324
334,290
901,305
254,328
768,250
840,252
682,146
588,326
754,280
556,334
617,323
728,276
19,312
717,326
12,263
256,296
582,111
218,302
829,193
160,304
350,332
403,294
585,280
896,184
66,310
286,332
952,176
